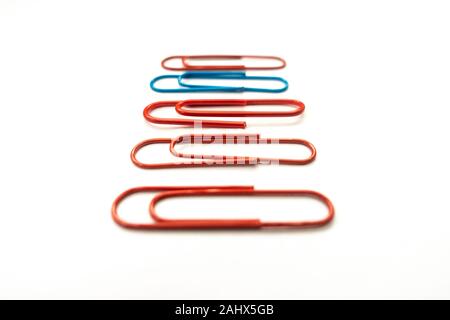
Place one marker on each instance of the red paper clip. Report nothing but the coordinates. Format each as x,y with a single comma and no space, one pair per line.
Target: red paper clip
170,192
281,63
219,160
182,107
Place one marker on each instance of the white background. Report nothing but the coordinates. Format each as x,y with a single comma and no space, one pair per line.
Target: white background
374,77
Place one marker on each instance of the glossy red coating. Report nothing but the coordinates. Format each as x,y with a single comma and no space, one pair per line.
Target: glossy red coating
146,189
281,63
200,160
186,108
165,192
241,223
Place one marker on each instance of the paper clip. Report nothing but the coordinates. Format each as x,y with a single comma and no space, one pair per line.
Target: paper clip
185,108
219,160
281,63
211,75
172,192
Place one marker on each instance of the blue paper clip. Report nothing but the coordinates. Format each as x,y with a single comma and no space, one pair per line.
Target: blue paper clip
186,87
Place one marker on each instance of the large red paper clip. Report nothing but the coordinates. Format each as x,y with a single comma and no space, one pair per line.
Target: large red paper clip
233,191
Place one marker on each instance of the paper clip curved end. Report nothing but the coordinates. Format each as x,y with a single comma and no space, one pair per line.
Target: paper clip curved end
286,84
161,90
282,89
142,165
153,81
283,62
165,66
115,215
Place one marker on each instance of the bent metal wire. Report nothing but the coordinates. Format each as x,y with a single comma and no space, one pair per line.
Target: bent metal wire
207,160
166,192
280,63
190,108
185,87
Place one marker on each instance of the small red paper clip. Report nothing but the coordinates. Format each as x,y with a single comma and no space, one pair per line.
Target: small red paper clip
171,192
182,107
281,63
219,160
